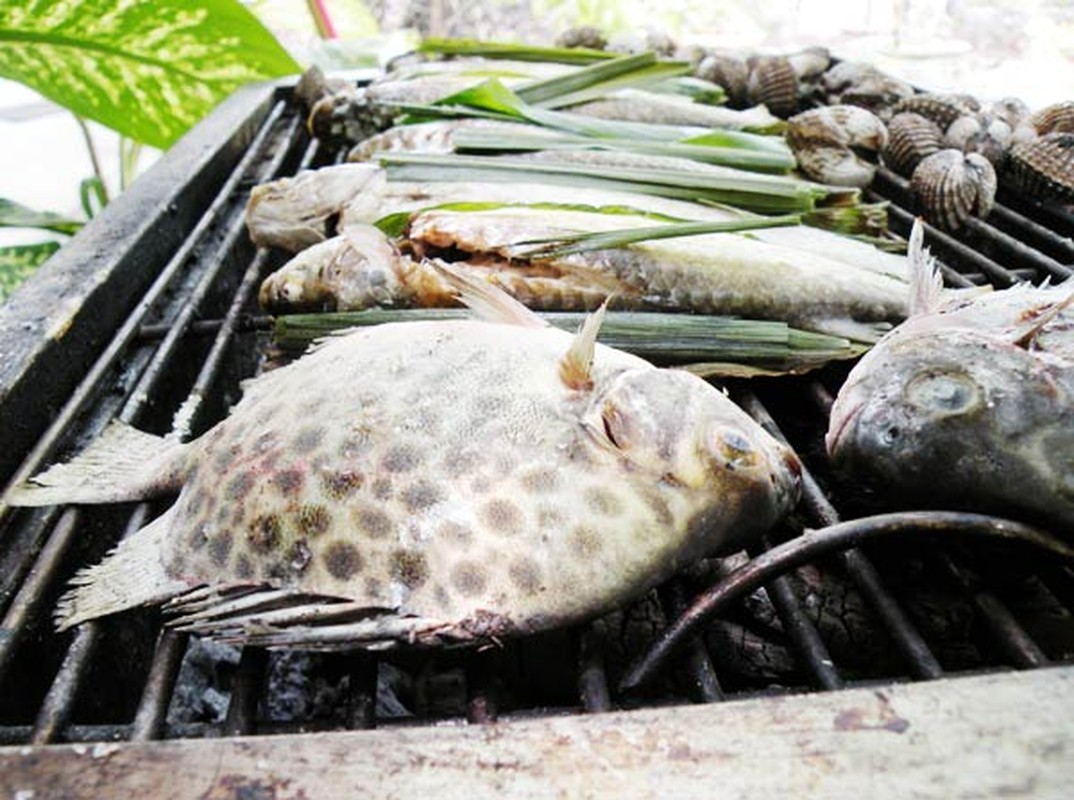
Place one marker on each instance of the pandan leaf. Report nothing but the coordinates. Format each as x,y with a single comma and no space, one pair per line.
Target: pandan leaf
147,70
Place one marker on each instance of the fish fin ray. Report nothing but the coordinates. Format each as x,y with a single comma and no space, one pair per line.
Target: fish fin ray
131,575
1023,336
576,365
487,300
926,282
122,464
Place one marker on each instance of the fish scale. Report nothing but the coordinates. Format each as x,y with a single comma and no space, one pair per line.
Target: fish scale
450,481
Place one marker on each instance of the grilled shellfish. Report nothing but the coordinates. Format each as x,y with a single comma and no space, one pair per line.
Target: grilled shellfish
911,137
1056,118
837,144
1044,167
951,186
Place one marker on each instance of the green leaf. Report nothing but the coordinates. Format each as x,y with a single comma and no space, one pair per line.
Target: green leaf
604,240
17,263
14,215
147,70
515,52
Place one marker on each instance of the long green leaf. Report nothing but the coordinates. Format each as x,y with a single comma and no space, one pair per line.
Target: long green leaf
14,215
605,240
17,263
148,70
515,52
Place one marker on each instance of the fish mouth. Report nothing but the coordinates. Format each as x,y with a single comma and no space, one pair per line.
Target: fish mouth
843,419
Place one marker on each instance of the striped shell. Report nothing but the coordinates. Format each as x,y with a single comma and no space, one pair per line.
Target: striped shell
911,137
583,36
730,73
943,109
773,82
838,145
1056,118
982,134
1044,167
951,186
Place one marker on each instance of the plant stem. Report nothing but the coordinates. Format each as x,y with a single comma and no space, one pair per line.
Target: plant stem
93,155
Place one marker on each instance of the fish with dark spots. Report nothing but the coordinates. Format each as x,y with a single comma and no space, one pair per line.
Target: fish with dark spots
382,542
969,404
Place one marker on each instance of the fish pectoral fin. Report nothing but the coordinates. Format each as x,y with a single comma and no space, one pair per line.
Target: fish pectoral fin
485,299
926,282
576,365
1023,335
268,617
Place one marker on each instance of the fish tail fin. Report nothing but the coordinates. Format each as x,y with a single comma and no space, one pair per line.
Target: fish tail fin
123,463
130,575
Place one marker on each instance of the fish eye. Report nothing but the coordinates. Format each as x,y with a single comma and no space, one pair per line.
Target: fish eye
734,448
944,392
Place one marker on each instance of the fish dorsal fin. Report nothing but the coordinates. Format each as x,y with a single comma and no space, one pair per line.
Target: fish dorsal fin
1023,336
485,299
926,283
576,366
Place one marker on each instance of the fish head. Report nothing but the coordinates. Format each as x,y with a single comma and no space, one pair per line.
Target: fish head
694,439
927,413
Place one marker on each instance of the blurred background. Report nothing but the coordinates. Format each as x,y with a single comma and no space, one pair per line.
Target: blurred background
990,48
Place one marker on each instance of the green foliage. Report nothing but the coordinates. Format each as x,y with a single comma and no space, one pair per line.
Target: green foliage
14,215
148,70
18,262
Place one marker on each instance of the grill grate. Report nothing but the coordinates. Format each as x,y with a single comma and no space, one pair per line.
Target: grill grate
176,356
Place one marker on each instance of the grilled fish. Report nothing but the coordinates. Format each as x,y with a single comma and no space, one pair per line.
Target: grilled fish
967,404
429,483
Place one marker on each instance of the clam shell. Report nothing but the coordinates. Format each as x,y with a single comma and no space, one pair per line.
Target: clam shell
1056,118
773,82
730,73
810,64
982,134
943,109
839,145
583,36
1011,110
852,83
951,186
911,137
1044,167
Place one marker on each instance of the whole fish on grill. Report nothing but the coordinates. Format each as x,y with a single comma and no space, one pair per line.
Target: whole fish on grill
720,273
429,483
967,404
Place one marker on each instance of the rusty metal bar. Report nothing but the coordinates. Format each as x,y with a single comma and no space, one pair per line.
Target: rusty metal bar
592,678
246,691
697,665
149,721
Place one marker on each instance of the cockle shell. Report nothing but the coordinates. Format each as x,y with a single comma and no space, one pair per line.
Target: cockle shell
587,36
839,145
951,186
943,109
981,133
729,72
911,137
1044,167
1056,118
773,82
1011,110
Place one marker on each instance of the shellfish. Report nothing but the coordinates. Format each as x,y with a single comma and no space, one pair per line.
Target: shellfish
729,72
1056,118
857,84
773,82
1044,167
983,133
837,144
911,137
943,109
951,186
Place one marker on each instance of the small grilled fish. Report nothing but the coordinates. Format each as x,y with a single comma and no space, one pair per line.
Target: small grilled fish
430,483
967,404
712,273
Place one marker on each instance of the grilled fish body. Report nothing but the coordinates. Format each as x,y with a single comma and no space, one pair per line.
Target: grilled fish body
968,404
431,483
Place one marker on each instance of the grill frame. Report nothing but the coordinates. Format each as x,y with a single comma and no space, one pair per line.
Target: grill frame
60,321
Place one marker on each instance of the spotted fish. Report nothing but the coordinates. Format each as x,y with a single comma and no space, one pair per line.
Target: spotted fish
429,483
967,404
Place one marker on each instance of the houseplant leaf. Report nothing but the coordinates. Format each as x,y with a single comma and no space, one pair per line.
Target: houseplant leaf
19,261
147,70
